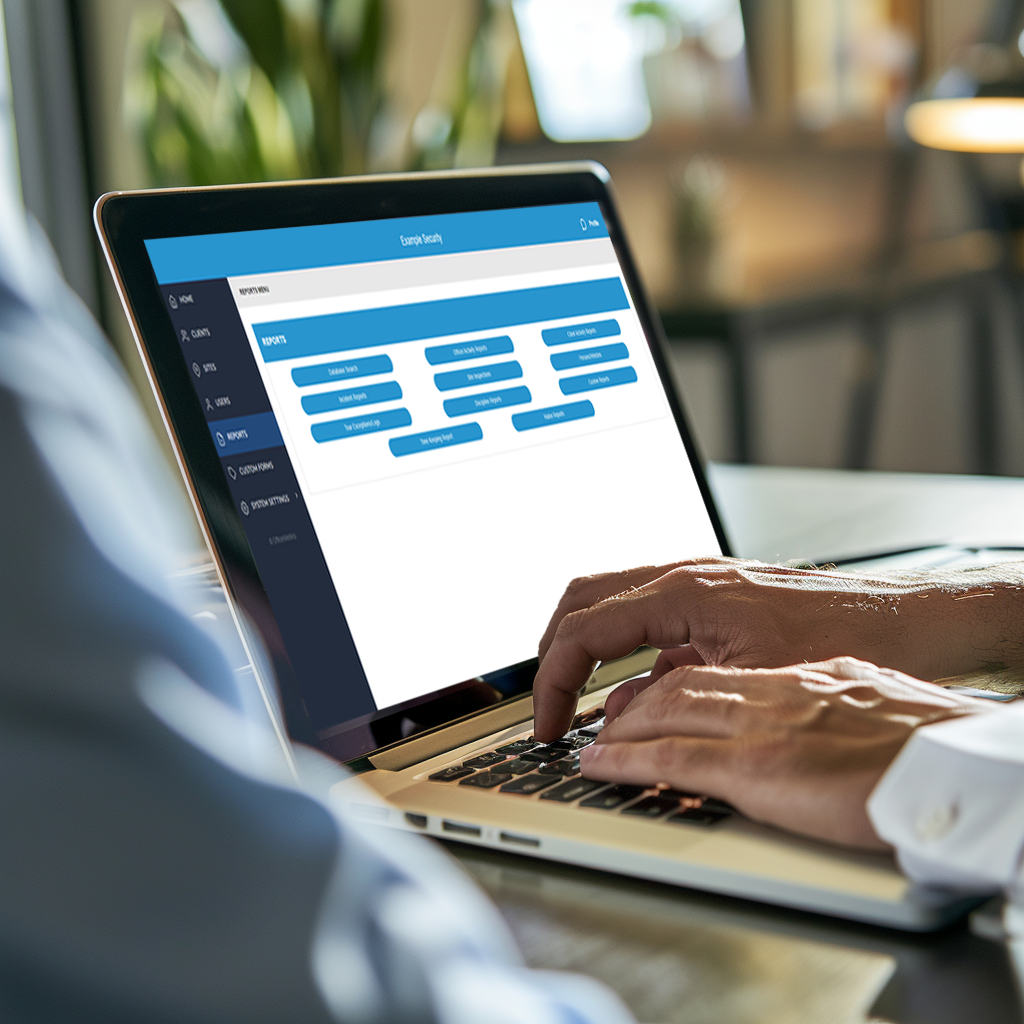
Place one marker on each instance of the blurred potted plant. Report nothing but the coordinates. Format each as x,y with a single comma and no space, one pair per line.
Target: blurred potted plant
254,90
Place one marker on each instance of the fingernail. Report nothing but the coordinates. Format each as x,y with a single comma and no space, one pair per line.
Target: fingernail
588,755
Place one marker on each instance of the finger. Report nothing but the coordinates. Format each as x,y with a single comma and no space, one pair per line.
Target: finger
652,615
702,766
588,590
699,702
623,694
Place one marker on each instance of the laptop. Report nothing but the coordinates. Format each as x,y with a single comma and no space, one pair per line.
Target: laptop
409,409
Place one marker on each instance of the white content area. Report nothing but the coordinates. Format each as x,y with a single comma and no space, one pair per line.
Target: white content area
448,562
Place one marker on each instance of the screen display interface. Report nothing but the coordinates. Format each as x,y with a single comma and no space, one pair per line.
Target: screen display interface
429,426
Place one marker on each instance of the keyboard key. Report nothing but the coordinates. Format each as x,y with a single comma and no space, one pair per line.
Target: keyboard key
527,784
709,803
516,747
518,766
486,780
611,798
698,816
650,807
572,790
587,718
569,766
483,760
591,732
451,774
678,794
544,754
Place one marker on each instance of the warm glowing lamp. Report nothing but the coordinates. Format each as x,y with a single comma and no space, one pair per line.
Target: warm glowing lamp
978,124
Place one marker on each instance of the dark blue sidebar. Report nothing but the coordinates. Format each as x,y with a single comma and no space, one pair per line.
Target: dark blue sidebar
266,494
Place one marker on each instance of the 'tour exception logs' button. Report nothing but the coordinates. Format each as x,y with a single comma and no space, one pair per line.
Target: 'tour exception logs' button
431,439
597,379
552,415
368,423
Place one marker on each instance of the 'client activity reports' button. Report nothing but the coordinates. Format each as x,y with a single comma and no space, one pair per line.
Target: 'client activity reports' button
369,423
581,332
597,379
446,437
552,415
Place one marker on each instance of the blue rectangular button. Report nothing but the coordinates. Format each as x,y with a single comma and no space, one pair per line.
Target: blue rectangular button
245,434
330,401
369,423
327,372
555,414
597,379
430,439
589,356
467,404
469,350
581,332
477,375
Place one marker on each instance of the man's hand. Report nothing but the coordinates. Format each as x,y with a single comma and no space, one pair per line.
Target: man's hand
728,612
799,747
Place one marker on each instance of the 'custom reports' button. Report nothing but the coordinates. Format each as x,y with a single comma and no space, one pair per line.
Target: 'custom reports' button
589,356
446,437
466,404
552,415
581,332
598,379
477,375
369,423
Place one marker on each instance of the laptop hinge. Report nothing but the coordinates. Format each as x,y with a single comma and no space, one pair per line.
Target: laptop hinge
420,748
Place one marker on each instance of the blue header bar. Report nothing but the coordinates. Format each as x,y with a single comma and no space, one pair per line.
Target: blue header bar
270,251
388,325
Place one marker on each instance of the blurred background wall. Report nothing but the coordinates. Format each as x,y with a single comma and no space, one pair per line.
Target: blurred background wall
834,295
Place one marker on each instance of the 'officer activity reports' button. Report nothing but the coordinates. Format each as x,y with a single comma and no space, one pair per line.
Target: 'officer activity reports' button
552,415
369,423
431,439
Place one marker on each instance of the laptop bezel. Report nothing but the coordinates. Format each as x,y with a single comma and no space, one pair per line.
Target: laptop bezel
125,219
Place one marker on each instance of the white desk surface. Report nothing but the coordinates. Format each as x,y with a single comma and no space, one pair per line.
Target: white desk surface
774,513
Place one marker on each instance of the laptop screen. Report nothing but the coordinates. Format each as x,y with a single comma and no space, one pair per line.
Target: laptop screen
429,426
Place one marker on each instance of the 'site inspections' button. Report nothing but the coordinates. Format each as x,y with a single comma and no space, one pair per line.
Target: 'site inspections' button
549,417
331,401
467,404
431,439
477,375
468,350
600,379
581,332
327,372
589,356
370,423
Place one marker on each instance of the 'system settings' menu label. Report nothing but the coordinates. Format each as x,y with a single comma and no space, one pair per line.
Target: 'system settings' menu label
471,419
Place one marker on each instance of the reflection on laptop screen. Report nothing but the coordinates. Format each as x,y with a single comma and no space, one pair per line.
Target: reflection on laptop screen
429,426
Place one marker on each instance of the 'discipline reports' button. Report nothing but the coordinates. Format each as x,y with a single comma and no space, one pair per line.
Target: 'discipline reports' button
597,379
330,401
581,332
555,414
477,375
303,376
466,404
589,356
431,439
369,423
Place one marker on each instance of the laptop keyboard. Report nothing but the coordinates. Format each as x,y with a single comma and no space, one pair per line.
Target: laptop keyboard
526,768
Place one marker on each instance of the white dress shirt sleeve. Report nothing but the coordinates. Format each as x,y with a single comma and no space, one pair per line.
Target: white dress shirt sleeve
952,803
